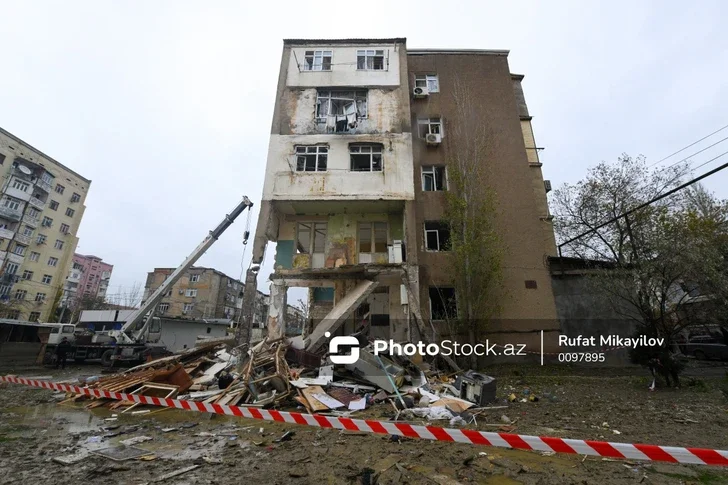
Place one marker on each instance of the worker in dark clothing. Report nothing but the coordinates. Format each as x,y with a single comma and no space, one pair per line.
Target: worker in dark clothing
225,380
61,350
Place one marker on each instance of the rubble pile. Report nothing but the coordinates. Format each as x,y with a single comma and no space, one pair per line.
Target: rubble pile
274,375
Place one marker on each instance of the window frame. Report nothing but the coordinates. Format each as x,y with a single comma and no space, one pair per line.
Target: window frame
317,154
194,278
431,170
41,239
430,122
47,277
47,221
27,275
321,55
11,203
372,237
64,228
34,256
312,246
191,293
61,187
19,249
440,245
160,308
72,212
371,55
55,261
356,149
20,185
426,79
360,100
188,307
40,296
23,293
58,244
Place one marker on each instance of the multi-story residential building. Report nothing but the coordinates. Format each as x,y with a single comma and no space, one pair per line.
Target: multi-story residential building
355,183
41,206
89,276
202,293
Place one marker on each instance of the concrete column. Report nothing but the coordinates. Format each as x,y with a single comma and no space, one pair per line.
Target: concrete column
245,323
277,311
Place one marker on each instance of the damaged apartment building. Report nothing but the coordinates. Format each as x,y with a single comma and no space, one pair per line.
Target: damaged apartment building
355,183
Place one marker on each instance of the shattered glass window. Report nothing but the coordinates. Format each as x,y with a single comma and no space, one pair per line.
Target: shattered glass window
311,158
341,103
366,158
372,60
433,178
443,305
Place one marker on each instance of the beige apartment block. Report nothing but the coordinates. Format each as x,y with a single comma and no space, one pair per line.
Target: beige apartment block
41,207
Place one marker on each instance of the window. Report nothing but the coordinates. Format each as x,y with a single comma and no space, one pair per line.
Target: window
70,212
20,185
19,250
437,236
64,228
191,293
443,304
75,197
47,222
11,268
428,81
28,231
2,158
47,279
41,239
194,278
427,126
47,177
11,203
433,178
188,307
372,237
155,326
28,275
340,110
370,60
34,316
20,294
60,188
317,61
58,244
53,205
33,212
308,244
13,314
311,158
52,261
34,257
40,296
366,158
163,307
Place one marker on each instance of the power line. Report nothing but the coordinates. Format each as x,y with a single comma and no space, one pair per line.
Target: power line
692,155
688,146
645,204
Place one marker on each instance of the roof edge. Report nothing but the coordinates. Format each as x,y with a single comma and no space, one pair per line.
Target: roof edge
392,40
31,147
482,52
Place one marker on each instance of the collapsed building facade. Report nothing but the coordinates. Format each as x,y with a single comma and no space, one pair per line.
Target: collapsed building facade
354,193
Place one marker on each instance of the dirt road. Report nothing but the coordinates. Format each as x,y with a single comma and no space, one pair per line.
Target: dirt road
602,405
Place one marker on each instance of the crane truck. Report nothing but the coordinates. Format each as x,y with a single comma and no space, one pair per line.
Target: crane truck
140,336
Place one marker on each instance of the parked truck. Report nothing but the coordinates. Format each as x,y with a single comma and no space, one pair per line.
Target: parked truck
139,337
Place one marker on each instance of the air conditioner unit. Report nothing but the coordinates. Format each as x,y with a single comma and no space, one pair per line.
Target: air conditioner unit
181,292
420,92
184,312
547,185
433,139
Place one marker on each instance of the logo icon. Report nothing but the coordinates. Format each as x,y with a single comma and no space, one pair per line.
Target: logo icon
343,341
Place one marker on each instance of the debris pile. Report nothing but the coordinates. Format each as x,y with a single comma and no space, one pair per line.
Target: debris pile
275,375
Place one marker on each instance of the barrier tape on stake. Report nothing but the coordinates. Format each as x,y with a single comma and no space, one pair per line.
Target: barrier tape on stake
670,454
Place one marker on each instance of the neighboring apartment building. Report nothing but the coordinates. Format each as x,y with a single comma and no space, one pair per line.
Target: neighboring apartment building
89,276
355,182
202,293
41,206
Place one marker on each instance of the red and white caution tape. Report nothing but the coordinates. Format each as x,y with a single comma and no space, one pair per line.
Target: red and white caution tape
670,454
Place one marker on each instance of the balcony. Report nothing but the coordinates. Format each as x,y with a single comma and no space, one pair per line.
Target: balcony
6,233
12,257
17,194
74,277
22,239
43,185
12,214
7,278
30,220
37,203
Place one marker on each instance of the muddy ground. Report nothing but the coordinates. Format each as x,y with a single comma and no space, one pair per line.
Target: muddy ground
600,404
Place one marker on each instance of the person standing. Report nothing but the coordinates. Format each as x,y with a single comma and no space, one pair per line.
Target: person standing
61,350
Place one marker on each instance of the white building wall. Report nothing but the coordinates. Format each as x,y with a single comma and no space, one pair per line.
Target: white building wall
343,69
178,335
394,182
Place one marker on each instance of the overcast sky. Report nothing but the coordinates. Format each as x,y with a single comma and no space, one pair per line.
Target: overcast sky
166,106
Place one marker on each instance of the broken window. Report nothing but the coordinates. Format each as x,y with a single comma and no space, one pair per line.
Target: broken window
317,61
437,236
427,126
433,178
341,110
311,158
366,158
311,237
443,304
428,81
370,60
373,237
